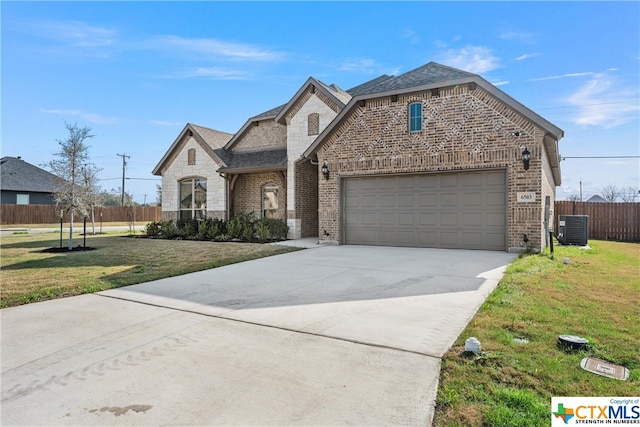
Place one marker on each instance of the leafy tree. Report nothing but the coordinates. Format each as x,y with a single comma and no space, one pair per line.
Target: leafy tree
69,192
158,194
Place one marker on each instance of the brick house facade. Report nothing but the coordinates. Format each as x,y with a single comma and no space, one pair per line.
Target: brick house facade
433,157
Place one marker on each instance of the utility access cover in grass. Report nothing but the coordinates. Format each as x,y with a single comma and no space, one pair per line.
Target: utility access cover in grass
604,368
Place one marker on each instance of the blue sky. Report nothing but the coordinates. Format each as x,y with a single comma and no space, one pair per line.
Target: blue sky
137,72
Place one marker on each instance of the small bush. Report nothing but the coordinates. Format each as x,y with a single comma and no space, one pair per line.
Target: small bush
153,229
168,230
262,231
243,227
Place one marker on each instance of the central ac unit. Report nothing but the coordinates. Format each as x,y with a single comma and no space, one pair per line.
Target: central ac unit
573,229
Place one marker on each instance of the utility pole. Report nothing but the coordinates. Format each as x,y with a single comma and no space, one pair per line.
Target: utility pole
124,163
145,200
580,190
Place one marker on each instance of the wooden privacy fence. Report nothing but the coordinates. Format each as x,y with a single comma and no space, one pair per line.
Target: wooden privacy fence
607,221
50,214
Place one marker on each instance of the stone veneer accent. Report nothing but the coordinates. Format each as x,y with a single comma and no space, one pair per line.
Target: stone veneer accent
298,140
178,169
464,128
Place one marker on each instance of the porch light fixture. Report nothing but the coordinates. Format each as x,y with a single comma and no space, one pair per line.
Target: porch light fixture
526,157
325,171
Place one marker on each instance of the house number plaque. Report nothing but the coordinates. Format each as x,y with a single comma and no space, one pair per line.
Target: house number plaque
524,197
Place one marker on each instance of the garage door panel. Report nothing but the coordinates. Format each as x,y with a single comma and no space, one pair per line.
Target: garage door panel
387,200
471,200
368,201
473,239
497,219
406,200
387,218
495,178
446,210
449,238
448,180
495,198
406,219
449,219
427,199
427,239
369,219
427,219
472,219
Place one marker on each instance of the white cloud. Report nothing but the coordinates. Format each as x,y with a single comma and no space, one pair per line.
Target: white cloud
474,59
562,76
412,36
212,47
602,101
365,65
165,123
90,117
75,33
517,35
526,56
501,83
211,73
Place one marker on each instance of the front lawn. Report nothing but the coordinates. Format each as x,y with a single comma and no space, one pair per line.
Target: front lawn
593,294
27,274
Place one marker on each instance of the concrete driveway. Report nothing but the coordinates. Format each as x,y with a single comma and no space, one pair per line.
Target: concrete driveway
325,336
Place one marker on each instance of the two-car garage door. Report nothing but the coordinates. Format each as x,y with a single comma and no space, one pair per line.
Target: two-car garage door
465,210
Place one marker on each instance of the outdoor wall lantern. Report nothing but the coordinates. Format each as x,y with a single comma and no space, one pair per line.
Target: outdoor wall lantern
325,171
526,157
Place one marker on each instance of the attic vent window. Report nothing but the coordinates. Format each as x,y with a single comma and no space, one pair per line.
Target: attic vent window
191,157
313,124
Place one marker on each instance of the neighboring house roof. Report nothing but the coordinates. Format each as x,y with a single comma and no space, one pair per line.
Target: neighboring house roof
432,76
253,161
18,175
596,198
209,140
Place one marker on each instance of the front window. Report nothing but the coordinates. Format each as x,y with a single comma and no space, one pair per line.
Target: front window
415,117
22,199
193,198
270,201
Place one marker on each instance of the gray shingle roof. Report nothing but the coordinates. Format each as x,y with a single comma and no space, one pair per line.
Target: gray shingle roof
18,175
213,138
254,160
426,74
368,87
270,113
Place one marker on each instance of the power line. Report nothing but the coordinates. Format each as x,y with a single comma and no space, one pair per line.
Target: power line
585,105
600,157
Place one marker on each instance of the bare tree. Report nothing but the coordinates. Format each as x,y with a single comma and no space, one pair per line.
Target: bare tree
629,194
92,194
610,193
69,191
574,198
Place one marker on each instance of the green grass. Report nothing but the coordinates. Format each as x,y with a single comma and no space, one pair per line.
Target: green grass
596,295
28,275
